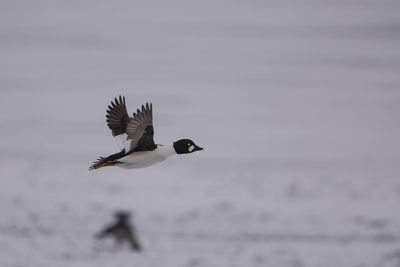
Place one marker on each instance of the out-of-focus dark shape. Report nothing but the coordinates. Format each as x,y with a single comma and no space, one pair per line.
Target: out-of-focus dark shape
122,230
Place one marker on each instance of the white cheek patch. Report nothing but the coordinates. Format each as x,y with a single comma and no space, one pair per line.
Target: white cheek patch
191,148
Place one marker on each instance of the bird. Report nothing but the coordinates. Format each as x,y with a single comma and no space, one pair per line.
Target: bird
121,230
137,132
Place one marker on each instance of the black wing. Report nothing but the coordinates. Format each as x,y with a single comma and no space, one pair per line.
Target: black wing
140,129
117,116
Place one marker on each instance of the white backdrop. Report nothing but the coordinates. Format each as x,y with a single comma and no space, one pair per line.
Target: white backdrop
295,102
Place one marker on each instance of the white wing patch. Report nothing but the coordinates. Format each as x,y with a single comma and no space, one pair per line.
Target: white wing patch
191,148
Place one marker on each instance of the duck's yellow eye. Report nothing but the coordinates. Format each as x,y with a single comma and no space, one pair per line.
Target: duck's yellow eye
188,144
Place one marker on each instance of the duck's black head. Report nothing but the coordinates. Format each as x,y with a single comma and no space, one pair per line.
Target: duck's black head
122,215
185,146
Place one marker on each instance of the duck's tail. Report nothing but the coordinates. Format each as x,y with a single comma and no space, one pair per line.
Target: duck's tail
108,161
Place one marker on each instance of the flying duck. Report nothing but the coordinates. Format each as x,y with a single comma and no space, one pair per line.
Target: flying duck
138,132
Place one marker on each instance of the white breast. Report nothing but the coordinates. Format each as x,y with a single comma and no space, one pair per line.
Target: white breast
146,158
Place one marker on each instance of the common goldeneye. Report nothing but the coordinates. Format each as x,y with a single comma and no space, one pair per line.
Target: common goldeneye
138,132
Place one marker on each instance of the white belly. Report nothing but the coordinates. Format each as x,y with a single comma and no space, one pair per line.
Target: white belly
145,158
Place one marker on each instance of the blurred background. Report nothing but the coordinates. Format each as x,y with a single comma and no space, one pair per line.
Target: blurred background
295,102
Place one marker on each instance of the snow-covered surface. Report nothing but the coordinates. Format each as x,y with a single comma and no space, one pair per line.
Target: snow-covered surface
296,103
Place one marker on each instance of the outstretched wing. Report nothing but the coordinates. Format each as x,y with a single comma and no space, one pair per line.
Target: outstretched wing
117,116
140,129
